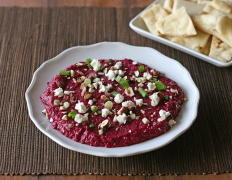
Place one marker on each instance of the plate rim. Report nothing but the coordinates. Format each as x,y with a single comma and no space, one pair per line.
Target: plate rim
103,154
174,45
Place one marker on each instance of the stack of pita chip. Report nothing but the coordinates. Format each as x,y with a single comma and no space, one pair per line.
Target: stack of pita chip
204,26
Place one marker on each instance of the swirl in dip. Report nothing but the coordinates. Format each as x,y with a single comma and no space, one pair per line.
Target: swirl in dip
111,103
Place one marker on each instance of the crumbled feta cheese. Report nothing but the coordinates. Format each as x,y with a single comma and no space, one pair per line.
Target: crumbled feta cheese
174,90
141,79
154,99
137,73
96,80
105,112
129,91
59,92
95,85
103,89
51,120
68,92
134,62
79,118
125,78
118,98
129,131
171,122
163,115
145,121
142,111
170,97
90,102
64,117
120,73
80,107
122,119
147,75
111,75
136,88
128,104
151,86
139,102
74,80
109,86
118,65
96,64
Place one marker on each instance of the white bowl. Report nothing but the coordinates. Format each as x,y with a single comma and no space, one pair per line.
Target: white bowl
114,50
138,25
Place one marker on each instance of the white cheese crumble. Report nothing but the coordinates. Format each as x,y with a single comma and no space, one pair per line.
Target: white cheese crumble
174,90
118,65
80,107
171,122
109,86
122,119
145,121
96,64
118,98
139,102
147,75
134,62
120,73
154,99
136,88
90,102
79,118
105,112
96,80
128,104
141,80
51,120
163,115
66,105
68,92
151,86
59,92
137,73
103,89
111,75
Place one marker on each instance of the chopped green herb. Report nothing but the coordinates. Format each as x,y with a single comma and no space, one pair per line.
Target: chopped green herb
166,97
185,99
91,125
125,84
88,61
65,73
72,114
142,92
114,93
87,81
160,86
56,102
119,79
153,79
99,112
141,68
108,105
94,108
101,68
100,131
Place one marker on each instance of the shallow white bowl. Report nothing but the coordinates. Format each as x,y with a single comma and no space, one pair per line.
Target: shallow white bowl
114,50
138,25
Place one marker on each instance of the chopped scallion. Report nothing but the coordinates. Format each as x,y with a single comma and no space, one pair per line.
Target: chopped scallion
114,93
94,108
72,114
125,84
101,68
142,92
87,81
160,86
91,125
65,73
108,105
153,79
88,61
141,68
99,112
166,97
100,131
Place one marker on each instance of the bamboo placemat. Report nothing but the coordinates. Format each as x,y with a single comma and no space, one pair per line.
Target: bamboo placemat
28,37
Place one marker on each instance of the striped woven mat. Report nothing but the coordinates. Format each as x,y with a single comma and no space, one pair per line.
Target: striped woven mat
28,37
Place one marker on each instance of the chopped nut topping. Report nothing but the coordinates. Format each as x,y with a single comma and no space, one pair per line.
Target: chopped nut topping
44,111
79,64
123,110
72,73
70,126
115,118
145,121
142,111
105,125
65,117
129,91
80,79
87,96
91,90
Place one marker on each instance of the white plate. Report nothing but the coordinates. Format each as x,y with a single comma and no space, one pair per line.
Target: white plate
114,50
138,25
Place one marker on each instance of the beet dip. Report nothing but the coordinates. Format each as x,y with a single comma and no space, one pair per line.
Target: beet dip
111,103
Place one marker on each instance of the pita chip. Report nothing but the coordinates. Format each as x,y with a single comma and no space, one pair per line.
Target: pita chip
197,42
152,15
207,47
168,5
177,24
220,50
223,6
204,2
208,9
191,7
219,26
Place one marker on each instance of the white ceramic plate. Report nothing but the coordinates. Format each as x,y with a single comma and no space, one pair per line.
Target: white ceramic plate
138,25
114,50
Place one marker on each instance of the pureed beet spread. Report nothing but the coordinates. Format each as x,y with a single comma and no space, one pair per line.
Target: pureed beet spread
111,103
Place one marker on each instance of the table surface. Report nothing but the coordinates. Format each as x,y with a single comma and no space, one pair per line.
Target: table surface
98,3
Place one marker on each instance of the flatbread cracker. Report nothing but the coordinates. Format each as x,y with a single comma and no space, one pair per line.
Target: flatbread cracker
219,26
152,15
191,7
223,6
197,42
177,24
168,5
208,9
207,47
220,50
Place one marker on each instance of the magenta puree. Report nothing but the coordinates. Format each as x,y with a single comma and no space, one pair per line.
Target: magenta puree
118,134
